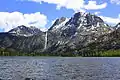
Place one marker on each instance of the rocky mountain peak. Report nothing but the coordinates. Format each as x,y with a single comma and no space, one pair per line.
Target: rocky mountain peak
58,23
118,25
82,23
79,19
25,31
86,19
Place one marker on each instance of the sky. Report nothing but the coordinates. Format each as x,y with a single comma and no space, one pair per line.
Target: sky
42,13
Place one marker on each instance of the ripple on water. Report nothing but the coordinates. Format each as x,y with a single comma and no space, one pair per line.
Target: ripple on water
40,68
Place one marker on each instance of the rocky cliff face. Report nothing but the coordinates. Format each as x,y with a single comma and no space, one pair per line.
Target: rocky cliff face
65,35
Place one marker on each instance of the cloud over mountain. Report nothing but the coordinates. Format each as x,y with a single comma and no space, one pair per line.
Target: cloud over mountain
11,20
92,5
111,20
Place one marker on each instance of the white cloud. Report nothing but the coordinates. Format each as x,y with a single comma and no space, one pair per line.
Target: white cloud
119,15
110,20
97,13
115,2
14,19
69,4
76,5
92,5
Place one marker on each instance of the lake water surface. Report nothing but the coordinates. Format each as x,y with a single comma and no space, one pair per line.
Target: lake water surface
59,68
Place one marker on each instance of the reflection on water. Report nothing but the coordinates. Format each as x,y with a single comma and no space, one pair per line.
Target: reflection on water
57,68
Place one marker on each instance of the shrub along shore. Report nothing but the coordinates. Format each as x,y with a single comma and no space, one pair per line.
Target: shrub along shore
107,53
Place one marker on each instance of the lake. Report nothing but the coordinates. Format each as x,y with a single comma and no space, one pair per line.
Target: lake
59,68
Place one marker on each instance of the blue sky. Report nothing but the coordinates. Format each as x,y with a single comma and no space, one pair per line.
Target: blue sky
41,13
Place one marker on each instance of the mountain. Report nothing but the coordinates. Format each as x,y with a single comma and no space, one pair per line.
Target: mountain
81,33
25,31
23,39
78,31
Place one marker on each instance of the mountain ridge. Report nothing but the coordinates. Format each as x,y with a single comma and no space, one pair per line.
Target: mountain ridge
25,31
73,35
